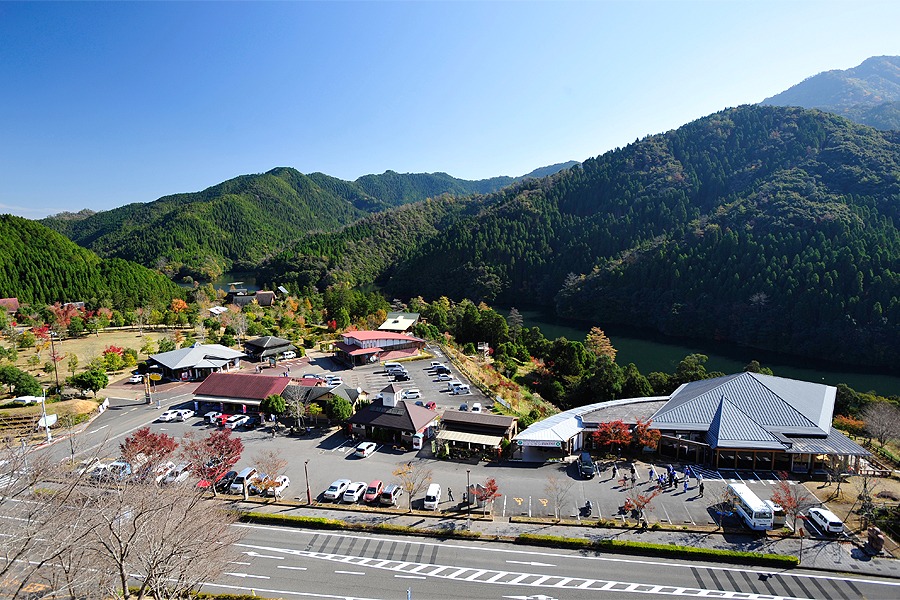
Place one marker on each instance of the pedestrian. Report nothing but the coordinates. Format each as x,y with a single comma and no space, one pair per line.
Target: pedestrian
659,482
687,472
450,494
685,485
615,471
624,481
633,472
701,488
652,473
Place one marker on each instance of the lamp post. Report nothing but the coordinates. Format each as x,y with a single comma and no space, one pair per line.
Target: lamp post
44,415
306,471
54,358
468,501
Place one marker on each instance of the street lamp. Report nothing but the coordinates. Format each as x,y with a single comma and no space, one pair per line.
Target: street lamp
44,415
306,471
54,358
468,501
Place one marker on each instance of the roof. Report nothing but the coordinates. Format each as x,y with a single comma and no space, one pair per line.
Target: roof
241,385
187,358
365,336
399,321
406,416
391,388
218,310
567,424
452,417
834,443
356,350
473,438
627,413
731,428
776,404
265,297
10,304
269,341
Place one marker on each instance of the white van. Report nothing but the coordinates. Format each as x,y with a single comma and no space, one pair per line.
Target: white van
461,389
825,520
778,515
247,474
452,385
389,366
433,497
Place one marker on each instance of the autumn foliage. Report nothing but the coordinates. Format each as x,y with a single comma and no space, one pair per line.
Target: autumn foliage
612,433
645,436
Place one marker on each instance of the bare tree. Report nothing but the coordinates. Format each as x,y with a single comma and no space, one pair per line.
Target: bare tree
414,478
882,421
558,491
271,464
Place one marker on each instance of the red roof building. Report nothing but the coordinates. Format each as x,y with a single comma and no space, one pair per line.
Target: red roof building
239,389
361,347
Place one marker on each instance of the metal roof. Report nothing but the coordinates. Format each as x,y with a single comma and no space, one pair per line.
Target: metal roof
187,358
835,443
567,424
399,321
777,404
473,438
731,428
268,341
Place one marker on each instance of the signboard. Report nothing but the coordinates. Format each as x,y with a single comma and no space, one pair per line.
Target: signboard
47,421
155,376
540,443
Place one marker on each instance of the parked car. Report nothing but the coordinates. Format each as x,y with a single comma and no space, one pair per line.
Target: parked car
257,484
211,416
401,377
178,474
461,389
411,394
442,370
373,491
225,481
169,415
435,364
136,379
235,421
444,377
334,381
281,483
464,407
184,414
825,520
476,407
162,470
311,376
391,495
365,449
586,466
354,491
289,354
432,497
431,406
87,465
336,489
237,484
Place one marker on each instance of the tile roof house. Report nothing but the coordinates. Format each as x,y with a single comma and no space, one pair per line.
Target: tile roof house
262,348
484,430
754,421
239,388
10,304
196,362
361,347
393,420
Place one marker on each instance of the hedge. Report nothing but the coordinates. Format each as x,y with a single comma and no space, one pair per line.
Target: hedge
647,549
322,523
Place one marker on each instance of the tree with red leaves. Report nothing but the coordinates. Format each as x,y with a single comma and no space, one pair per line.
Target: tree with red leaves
644,436
148,447
794,499
641,503
612,433
488,492
213,456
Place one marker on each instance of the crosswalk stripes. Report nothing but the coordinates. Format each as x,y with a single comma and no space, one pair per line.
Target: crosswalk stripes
731,476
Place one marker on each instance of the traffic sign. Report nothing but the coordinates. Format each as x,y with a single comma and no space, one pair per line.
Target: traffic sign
155,376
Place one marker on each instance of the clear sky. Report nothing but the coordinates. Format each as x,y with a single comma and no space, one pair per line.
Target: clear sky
111,103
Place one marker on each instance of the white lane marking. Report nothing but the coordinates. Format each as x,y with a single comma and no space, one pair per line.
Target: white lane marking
257,555
234,562
350,572
532,564
409,576
294,568
243,575
99,428
256,589
494,549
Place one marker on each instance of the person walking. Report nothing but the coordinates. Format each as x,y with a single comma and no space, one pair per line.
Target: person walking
685,485
450,494
633,472
652,474
701,488
615,471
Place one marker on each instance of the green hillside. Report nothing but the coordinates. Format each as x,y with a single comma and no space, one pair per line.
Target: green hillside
245,220
772,227
40,266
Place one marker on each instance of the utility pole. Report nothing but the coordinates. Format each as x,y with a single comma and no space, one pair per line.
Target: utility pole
468,501
54,358
308,493
44,415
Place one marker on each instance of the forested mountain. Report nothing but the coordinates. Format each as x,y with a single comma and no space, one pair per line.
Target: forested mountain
40,266
868,94
246,219
772,227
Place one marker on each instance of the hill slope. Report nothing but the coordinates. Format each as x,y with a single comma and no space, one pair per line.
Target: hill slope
246,219
40,266
771,227
868,94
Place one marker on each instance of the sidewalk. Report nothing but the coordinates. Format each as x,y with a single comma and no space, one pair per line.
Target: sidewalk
817,554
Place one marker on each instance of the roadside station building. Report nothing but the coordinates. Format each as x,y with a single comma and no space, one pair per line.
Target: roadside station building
237,393
475,431
196,362
390,419
362,347
263,348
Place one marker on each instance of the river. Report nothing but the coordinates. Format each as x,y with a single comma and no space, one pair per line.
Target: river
651,351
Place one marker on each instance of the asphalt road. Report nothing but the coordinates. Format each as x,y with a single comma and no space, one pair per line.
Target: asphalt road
278,562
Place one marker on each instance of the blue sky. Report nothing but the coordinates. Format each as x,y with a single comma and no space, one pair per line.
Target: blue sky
111,103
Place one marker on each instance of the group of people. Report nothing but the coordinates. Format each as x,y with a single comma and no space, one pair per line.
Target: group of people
664,480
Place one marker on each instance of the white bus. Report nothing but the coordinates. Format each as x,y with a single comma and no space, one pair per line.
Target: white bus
755,513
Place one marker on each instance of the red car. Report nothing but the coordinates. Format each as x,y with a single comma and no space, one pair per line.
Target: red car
220,420
373,491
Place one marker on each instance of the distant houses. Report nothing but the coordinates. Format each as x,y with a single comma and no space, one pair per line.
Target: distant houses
11,305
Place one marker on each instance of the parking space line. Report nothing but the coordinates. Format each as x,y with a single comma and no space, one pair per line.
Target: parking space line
668,518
